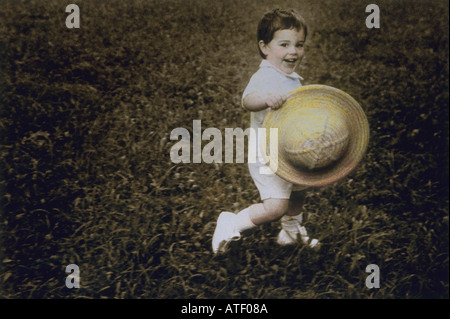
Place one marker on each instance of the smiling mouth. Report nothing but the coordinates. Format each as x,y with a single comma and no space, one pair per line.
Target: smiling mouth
290,60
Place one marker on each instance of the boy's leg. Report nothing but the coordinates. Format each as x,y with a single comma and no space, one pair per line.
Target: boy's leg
291,223
229,225
296,203
269,210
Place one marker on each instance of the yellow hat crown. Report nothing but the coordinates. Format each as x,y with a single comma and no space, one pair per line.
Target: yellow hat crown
323,135
314,138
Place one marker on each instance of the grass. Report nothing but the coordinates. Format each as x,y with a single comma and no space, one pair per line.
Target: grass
86,116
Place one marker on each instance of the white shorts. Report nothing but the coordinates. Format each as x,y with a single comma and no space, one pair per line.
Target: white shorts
271,185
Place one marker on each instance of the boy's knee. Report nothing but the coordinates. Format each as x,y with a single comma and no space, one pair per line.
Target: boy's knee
276,207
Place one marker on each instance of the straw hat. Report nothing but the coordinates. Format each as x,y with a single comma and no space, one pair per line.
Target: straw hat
322,136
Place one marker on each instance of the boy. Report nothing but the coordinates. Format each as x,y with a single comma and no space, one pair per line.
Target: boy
281,37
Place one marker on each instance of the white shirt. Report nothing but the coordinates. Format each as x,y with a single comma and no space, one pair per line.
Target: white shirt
268,79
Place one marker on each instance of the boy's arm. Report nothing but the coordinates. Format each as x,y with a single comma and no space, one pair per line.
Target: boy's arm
256,101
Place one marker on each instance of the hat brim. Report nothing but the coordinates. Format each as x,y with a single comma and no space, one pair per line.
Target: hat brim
319,96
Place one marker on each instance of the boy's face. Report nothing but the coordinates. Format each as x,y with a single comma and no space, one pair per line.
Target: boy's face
285,51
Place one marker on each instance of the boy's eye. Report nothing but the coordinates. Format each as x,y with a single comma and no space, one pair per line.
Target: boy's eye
300,45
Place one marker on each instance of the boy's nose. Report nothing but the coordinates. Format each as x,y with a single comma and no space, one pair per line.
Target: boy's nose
292,49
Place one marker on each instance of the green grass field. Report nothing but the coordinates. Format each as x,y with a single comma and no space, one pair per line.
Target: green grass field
86,176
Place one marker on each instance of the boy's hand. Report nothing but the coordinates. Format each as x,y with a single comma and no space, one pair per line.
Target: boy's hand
275,101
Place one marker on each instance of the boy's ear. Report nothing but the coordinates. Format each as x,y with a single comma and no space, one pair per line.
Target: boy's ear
263,47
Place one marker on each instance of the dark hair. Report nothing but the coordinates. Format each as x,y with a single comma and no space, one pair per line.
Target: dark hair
279,19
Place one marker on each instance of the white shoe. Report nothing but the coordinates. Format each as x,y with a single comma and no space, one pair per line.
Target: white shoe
292,230
225,232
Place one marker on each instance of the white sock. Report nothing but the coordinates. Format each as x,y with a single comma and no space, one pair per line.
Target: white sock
290,223
243,221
